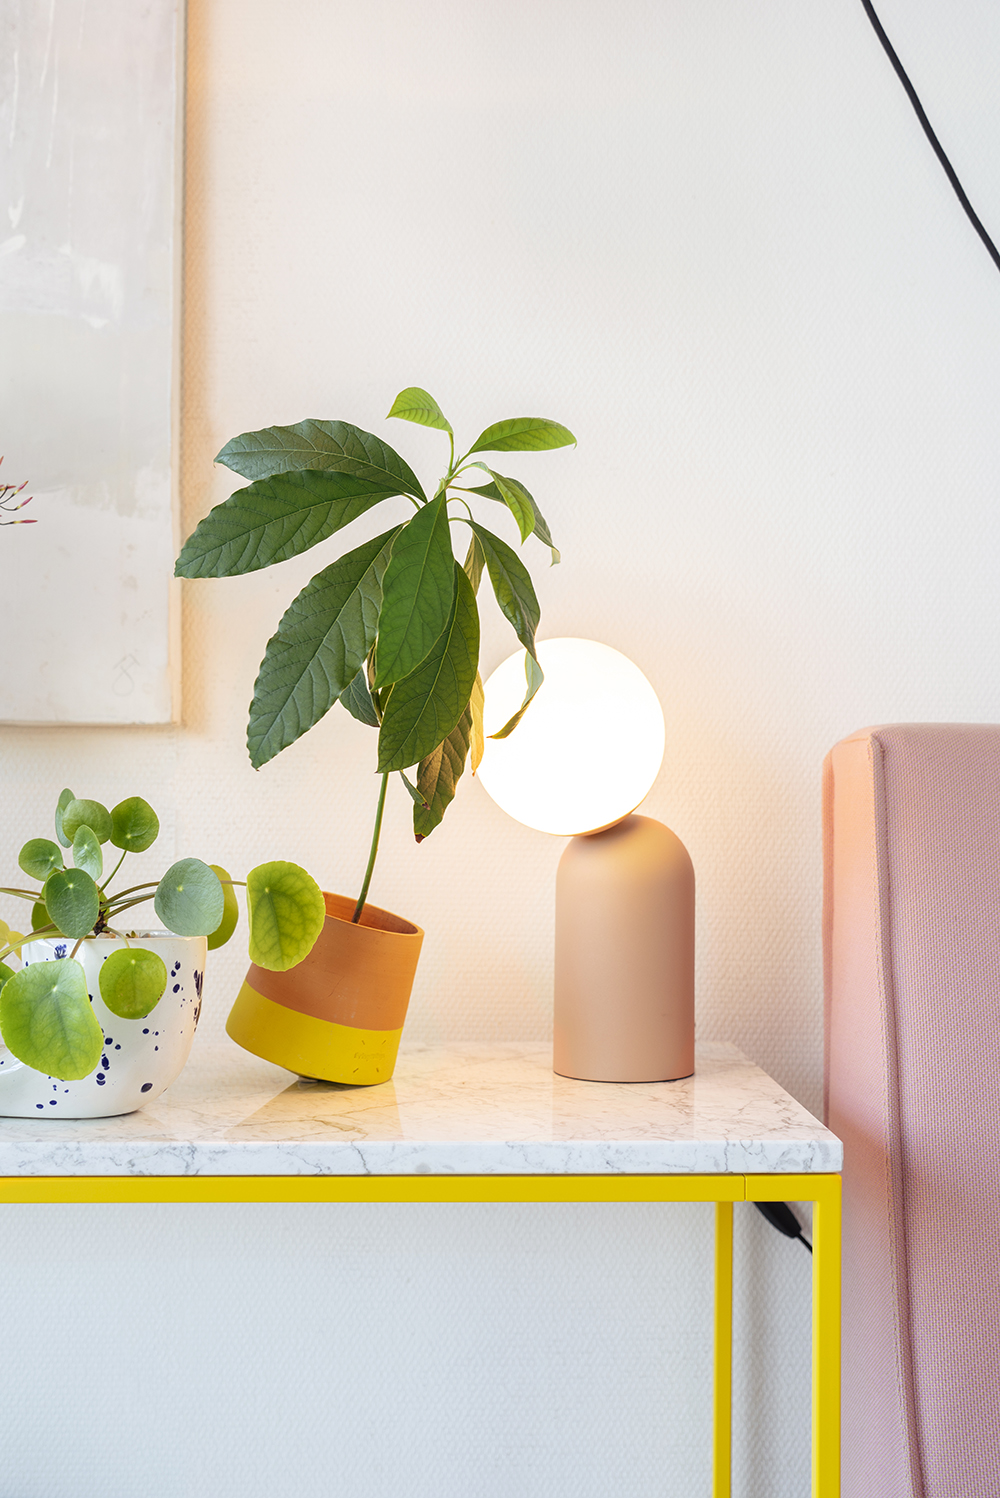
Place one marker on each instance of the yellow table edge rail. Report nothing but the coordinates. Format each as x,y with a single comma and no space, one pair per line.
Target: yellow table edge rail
823,1190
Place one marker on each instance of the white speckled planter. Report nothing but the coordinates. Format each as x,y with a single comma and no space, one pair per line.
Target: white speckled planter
141,1057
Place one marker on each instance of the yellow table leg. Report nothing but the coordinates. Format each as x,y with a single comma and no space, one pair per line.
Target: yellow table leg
826,1340
824,1192
722,1407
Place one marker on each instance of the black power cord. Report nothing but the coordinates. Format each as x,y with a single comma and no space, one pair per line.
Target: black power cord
781,1216
939,151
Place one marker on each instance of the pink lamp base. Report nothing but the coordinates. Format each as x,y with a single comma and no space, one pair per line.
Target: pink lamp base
624,985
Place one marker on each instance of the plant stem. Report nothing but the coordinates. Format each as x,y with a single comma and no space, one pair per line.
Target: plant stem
23,894
114,871
355,918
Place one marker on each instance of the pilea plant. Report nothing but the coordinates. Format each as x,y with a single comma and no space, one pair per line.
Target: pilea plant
391,629
45,1015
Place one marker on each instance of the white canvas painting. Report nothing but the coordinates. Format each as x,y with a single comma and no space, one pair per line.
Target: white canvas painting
89,231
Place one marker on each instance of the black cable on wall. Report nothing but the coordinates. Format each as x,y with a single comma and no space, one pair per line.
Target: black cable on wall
939,151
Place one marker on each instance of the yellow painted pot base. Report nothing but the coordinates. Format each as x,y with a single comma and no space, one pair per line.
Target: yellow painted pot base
312,1047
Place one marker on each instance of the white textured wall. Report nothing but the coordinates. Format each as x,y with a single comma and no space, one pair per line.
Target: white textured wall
710,238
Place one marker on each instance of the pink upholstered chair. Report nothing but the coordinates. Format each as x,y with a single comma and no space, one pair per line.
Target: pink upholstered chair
912,937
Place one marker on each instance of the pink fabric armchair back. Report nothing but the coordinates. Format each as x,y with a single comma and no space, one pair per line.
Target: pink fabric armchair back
912,957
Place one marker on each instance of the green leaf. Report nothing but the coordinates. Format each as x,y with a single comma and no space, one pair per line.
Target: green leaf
512,586
535,676
132,982
230,910
412,791
332,446
47,1021
321,643
358,700
490,491
287,911
65,797
418,590
87,814
72,900
189,899
5,973
87,853
40,916
424,707
478,741
134,825
523,434
475,561
517,500
416,405
275,519
39,857
438,776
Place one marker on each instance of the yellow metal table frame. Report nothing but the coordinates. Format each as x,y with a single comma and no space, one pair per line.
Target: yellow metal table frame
822,1190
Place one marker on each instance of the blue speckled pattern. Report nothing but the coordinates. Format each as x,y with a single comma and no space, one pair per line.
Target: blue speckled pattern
140,1058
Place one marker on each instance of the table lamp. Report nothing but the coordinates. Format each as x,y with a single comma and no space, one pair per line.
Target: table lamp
580,761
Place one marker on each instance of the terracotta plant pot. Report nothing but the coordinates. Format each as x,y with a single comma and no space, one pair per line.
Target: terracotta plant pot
339,1014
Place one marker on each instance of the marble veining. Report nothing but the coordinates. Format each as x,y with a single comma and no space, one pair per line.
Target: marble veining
457,1109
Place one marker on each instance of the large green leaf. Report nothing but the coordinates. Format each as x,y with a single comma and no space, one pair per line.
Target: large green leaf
87,853
523,434
47,1020
417,593
336,446
512,586
82,813
321,644
39,857
134,825
438,776
541,529
358,700
133,981
230,909
189,898
65,797
72,900
274,519
416,405
287,911
425,706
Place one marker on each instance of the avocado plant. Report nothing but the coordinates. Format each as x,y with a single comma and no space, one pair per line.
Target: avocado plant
391,629
46,1019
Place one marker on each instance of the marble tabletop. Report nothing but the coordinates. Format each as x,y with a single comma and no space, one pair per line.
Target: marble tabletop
457,1109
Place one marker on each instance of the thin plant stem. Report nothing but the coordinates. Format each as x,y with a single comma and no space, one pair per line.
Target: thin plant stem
114,870
355,918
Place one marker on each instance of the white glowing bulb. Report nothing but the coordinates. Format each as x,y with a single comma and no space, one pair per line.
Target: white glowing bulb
589,746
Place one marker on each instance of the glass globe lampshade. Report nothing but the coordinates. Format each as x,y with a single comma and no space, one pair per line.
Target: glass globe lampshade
589,746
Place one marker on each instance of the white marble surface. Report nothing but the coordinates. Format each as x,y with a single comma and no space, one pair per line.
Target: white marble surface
458,1109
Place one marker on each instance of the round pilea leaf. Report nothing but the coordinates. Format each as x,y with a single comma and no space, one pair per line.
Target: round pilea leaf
230,910
39,857
39,916
65,797
134,825
72,901
87,814
87,853
5,973
287,911
189,898
132,982
48,1022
